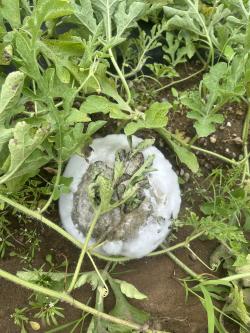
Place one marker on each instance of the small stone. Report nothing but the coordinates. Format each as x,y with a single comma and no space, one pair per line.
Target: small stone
213,139
234,155
239,113
227,150
182,172
207,165
230,108
187,176
229,124
238,140
161,143
222,127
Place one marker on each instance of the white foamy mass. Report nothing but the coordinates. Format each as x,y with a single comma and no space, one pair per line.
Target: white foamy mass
165,200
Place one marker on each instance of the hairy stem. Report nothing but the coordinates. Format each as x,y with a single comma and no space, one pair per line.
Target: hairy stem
245,134
166,135
84,250
181,80
70,300
36,215
119,72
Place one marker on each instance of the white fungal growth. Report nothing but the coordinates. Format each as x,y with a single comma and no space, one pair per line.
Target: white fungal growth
163,195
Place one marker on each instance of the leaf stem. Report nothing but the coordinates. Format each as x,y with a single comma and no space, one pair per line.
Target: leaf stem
84,249
119,72
165,134
176,246
181,80
245,134
36,215
70,300
188,270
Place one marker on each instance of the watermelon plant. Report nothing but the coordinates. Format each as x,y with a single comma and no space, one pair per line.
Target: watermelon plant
173,72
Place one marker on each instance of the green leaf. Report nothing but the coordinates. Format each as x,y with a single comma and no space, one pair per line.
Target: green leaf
186,157
11,12
129,290
125,20
85,15
124,310
208,304
206,125
236,305
77,116
23,148
10,93
62,187
27,53
96,104
48,10
6,53
155,117
89,277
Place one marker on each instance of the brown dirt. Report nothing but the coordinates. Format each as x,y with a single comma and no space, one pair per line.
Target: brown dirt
157,277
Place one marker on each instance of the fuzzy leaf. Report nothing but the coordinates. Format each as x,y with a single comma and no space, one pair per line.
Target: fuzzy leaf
96,104
155,117
124,310
48,10
129,290
6,53
85,15
25,143
237,306
10,93
125,20
11,12
186,157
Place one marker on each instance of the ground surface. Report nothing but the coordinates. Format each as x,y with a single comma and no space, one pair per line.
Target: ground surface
157,277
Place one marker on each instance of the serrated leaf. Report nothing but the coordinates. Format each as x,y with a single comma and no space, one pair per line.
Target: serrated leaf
77,116
88,277
236,305
27,52
25,142
129,290
62,187
155,117
11,12
48,10
126,19
96,104
85,15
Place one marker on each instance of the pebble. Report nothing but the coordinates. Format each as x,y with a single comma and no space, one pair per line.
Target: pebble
161,143
187,176
238,140
229,124
213,139
227,150
239,113
234,154
222,127
182,172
